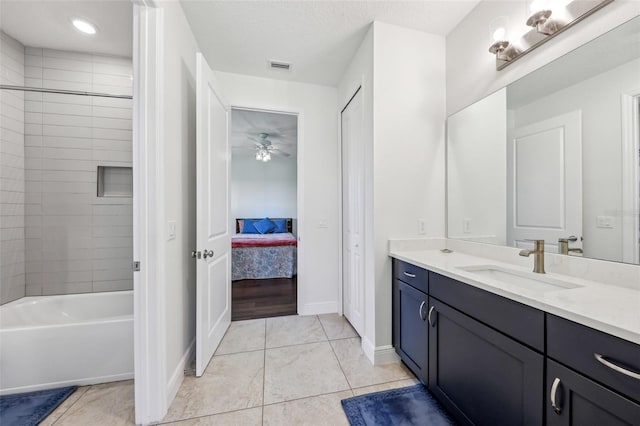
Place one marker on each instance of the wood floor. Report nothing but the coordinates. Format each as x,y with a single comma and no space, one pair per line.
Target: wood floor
263,298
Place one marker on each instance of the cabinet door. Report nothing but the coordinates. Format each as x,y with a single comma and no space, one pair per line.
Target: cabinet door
480,375
575,400
412,330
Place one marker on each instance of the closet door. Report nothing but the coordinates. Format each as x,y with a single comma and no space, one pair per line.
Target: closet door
353,213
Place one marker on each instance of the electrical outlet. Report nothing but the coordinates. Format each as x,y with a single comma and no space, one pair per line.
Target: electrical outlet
422,226
466,226
604,221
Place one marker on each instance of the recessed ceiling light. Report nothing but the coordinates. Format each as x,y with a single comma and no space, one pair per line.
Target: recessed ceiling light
84,26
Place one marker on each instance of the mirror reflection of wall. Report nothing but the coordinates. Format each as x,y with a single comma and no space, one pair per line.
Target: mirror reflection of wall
572,130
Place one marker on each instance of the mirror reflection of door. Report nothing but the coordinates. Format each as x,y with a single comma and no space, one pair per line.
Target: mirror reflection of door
544,184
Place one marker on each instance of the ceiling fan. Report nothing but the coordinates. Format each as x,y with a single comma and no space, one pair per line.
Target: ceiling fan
264,148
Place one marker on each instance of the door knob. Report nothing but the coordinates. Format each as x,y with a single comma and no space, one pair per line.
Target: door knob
196,254
206,253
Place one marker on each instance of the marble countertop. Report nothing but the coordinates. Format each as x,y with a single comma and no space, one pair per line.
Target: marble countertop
612,309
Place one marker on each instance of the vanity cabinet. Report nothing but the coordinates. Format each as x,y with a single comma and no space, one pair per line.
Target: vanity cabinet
592,378
482,376
493,361
575,400
410,326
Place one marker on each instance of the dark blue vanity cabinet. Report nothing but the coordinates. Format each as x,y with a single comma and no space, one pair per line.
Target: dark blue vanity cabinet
479,367
410,327
592,378
493,361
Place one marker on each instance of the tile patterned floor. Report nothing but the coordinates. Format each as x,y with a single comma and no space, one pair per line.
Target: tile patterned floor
276,371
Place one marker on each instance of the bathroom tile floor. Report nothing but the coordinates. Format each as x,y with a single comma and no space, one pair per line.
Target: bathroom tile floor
290,370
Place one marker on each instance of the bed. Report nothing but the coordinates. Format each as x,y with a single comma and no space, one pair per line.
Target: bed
262,256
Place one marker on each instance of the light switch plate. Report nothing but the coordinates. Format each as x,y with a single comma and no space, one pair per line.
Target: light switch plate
171,230
323,223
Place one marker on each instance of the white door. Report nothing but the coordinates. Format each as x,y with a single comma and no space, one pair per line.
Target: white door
213,272
544,186
353,213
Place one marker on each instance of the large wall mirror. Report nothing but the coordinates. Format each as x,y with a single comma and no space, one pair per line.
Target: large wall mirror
555,156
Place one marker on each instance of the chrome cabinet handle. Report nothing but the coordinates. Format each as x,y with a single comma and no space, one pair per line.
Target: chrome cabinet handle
206,253
429,316
420,310
409,275
554,391
601,359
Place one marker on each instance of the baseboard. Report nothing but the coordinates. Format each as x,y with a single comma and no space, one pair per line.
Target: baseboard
368,349
318,308
379,355
386,355
178,374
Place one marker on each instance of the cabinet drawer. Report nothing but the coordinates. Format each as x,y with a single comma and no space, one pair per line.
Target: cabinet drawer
514,319
576,346
411,274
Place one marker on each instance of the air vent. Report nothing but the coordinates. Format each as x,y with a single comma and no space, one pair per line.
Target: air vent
279,65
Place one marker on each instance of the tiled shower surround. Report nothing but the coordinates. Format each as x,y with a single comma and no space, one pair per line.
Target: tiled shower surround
75,241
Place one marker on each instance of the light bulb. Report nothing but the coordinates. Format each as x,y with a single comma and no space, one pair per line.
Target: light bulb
84,26
499,33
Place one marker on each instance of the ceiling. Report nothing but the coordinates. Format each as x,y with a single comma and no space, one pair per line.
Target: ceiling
319,38
47,24
247,125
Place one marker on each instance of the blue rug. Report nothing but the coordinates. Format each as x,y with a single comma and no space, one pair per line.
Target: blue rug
30,408
413,405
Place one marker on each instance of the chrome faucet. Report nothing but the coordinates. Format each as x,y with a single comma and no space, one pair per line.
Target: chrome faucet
563,245
538,259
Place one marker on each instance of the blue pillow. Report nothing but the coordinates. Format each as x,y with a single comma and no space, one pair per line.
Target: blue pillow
248,227
264,226
281,226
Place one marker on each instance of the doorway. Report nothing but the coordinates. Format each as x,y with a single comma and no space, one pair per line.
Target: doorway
264,210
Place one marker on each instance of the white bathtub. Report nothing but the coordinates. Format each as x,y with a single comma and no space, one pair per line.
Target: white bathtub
53,341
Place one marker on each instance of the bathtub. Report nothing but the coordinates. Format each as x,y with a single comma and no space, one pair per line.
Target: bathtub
54,341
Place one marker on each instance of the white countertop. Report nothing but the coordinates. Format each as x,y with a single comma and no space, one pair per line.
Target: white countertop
612,309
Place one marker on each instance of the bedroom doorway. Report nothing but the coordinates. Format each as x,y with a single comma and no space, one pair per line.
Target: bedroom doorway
264,187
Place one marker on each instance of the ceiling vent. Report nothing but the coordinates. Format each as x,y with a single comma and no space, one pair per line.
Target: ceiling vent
279,65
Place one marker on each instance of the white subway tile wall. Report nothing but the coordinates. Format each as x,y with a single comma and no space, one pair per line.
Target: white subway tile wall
12,173
77,242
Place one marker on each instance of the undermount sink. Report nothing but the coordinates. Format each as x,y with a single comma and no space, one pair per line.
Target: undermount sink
518,280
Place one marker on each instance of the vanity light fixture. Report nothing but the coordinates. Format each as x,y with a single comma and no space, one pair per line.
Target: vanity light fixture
84,26
500,45
548,19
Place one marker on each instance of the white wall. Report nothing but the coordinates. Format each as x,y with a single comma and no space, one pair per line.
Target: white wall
599,99
178,192
477,171
471,72
359,73
260,189
409,148
317,176
12,185
77,242
402,76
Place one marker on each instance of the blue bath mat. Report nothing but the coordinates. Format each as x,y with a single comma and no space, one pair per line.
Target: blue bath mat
413,405
30,408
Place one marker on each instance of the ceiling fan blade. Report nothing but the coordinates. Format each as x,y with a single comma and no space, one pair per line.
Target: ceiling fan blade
281,152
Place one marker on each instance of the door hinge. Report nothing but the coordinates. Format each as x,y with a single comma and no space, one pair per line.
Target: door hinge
136,266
